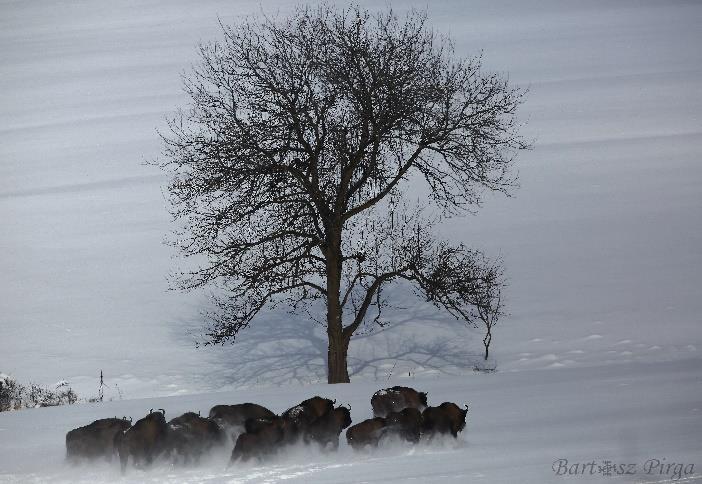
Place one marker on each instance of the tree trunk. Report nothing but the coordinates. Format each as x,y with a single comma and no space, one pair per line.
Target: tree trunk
486,342
337,371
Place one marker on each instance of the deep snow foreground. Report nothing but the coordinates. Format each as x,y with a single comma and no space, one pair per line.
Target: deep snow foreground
520,426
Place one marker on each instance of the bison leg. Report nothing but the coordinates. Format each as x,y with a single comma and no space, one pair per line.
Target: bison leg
187,457
148,457
237,455
72,458
123,457
234,459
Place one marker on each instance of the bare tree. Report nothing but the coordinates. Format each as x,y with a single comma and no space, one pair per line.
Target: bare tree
288,169
489,311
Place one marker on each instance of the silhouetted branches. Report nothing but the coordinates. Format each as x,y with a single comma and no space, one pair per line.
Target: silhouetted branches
288,168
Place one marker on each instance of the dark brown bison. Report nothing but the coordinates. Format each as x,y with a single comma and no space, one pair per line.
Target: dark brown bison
309,410
265,441
447,418
366,433
301,416
325,430
396,399
406,424
190,436
145,440
233,417
95,440
254,425
290,430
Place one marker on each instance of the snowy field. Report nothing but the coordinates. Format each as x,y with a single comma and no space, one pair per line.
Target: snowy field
599,359
520,425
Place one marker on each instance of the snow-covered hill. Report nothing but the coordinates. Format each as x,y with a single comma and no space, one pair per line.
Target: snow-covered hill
520,427
602,244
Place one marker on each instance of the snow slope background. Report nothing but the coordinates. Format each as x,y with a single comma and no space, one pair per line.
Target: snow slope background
602,243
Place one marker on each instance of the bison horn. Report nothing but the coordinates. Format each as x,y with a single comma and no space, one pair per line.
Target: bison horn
163,411
151,410
465,405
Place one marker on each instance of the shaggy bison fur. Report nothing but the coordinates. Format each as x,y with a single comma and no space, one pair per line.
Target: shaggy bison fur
95,440
366,433
396,399
290,431
309,410
447,418
325,430
301,416
144,441
267,438
406,424
190,436
235,416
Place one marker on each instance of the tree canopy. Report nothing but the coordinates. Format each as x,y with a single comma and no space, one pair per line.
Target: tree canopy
288,171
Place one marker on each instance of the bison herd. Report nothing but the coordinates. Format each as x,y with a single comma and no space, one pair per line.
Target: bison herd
258,433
